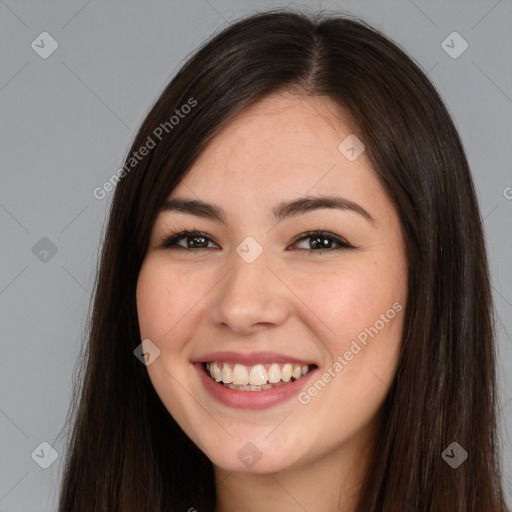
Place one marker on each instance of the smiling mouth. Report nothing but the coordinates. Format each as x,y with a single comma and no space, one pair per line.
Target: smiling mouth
258,377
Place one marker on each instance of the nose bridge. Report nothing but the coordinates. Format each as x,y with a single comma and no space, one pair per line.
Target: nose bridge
250,294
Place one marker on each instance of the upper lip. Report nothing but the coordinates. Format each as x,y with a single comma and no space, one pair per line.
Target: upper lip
249,359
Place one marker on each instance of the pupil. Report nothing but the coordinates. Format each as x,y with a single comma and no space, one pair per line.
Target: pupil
193,240
318,244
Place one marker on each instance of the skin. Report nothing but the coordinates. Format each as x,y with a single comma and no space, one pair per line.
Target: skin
291,300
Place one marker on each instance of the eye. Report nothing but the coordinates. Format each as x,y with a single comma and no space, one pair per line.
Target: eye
318,240
192,239
322,240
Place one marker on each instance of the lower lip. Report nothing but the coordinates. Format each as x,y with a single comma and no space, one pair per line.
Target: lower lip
251,399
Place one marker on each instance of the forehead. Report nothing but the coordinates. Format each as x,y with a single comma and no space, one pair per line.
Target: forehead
279,148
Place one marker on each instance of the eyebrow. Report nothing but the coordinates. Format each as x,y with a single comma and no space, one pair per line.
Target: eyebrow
281,212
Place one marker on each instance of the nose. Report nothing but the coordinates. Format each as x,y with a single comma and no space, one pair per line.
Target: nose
251,298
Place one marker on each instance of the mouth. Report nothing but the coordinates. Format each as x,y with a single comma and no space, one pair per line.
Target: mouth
257,377
256,380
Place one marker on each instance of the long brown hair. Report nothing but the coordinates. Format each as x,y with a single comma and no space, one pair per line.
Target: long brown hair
126,452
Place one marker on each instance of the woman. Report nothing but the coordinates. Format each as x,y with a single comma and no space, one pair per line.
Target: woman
293,309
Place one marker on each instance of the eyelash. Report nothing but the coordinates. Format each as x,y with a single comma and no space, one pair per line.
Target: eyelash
170,242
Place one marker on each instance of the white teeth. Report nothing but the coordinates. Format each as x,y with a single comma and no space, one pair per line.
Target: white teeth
215,372
257,377
250,388
274,373
286,373
240,375
227,374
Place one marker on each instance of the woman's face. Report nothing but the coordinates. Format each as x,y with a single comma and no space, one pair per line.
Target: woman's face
261,300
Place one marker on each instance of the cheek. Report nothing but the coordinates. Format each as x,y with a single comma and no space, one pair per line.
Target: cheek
152,303
349,302
364,310
163,299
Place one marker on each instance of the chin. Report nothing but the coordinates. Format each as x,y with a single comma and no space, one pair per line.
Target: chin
250,457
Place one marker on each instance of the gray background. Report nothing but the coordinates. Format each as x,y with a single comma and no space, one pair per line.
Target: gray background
68,121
